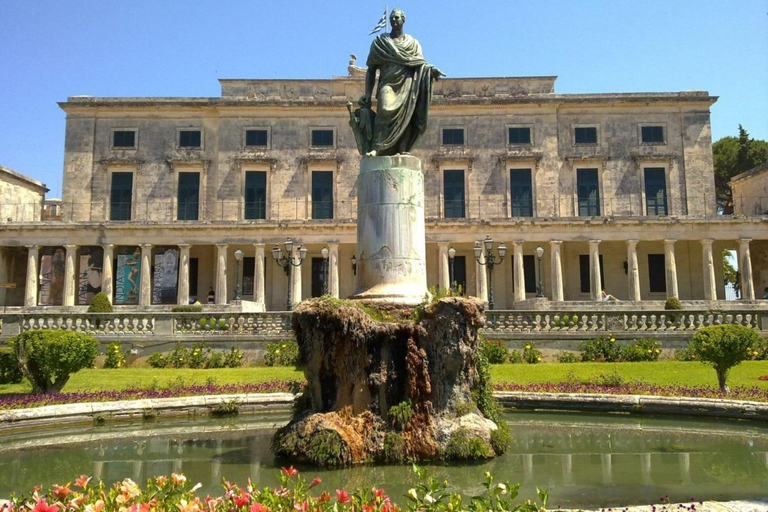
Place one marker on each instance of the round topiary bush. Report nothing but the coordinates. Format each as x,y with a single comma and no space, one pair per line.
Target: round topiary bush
100,304
47,358
723,347
673,303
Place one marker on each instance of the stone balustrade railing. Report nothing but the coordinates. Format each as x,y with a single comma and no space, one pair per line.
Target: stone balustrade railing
276,325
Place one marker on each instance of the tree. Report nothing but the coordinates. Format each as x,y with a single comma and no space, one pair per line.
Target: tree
730,274
723,347
732,156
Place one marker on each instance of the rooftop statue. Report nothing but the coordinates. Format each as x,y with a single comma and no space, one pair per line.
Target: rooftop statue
403,95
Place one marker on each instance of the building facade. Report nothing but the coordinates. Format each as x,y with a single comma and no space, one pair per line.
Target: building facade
161,196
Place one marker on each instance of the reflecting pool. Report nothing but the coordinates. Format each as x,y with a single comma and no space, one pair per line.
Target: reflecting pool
584,460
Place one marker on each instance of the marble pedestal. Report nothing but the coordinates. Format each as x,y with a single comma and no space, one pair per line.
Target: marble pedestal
391,246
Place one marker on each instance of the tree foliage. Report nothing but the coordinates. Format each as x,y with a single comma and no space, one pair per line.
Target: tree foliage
723,347
732,156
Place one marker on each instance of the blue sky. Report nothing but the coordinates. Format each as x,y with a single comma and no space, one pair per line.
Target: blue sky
52,49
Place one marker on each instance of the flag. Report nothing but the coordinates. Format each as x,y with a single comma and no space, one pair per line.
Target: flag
381,24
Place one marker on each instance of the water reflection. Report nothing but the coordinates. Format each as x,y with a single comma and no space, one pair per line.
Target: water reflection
630,460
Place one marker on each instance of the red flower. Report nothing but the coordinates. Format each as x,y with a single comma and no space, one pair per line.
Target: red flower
42,506
763,377
258,507
342,496
61,491
241,500
302,507
82,481
324,496
290,472
315,482
378,493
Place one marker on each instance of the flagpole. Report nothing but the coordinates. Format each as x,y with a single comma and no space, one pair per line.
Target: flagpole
386,18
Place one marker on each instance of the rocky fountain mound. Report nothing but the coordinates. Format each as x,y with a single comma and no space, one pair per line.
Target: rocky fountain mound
391,384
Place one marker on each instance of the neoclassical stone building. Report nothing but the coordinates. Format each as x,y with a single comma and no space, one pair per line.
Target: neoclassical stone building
160,194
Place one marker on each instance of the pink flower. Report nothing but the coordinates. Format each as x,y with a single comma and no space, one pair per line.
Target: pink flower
258,507
42,506
282,492
315,482
95,507
82,481
290,472
342,496
302,507
61,491
178,479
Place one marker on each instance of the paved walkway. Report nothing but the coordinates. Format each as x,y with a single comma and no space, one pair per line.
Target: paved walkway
760,505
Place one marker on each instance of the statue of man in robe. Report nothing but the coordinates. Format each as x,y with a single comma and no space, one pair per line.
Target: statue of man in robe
403,94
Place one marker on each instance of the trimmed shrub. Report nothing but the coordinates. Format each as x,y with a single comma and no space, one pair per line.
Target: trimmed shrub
115,356
282,353
100,304
187,308
673,303
514,357
567,357
10,373
494,351
603,349
531,354
723,347
233,358
643,349
47,358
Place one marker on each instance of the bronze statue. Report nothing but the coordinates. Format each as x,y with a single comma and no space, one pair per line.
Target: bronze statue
402,97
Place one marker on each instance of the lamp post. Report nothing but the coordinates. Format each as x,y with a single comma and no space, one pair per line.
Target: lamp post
489,262
540,287
238,281
324,252
451,255
287,262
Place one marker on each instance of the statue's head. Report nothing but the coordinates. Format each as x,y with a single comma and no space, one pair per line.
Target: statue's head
396,17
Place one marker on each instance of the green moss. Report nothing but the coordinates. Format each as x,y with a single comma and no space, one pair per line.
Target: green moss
394,448
501,438
326,448
463,408
482,390
463,446
400,414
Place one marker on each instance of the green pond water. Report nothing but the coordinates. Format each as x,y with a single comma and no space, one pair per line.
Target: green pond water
584,460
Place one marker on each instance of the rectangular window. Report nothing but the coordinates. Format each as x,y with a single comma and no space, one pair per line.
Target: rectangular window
255,195
193,268
453,194
319,276
121,196
655,191
519,135
124,139
585,135
322,138
453,136
322,194
521,192
249,268
256,138
588,191
652,134
188,196
190,138
657,277
584,272
460,273
529,272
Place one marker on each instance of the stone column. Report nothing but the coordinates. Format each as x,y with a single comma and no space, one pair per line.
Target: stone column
671,267
183,294
481,278
557,270
646,468
595,283
606,460
333,270
145,286
444,274
221,273
633,273
745,270
295,283
519,278
69,275
258,276
708,264
107,272
30,291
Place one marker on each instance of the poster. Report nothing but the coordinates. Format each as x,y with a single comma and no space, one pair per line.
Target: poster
128,275
52,276
90,274
165,287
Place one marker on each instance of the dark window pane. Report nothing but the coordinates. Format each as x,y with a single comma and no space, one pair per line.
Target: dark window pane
519,135
529,272
190,138
460,273
453,136
655,191
588,191
249,264
193,268
255,137
189,196
453,194
586,135
319,276
322,137
121,196
124,139
521,192
584,272
322,194
255,195
652,134
657,277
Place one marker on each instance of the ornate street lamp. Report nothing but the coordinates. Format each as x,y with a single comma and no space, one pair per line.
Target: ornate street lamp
489,262
287,262
238,277
324,252
540,287
451,255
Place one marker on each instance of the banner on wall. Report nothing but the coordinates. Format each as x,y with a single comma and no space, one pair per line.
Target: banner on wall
166,274
89,276
52,264
128,275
